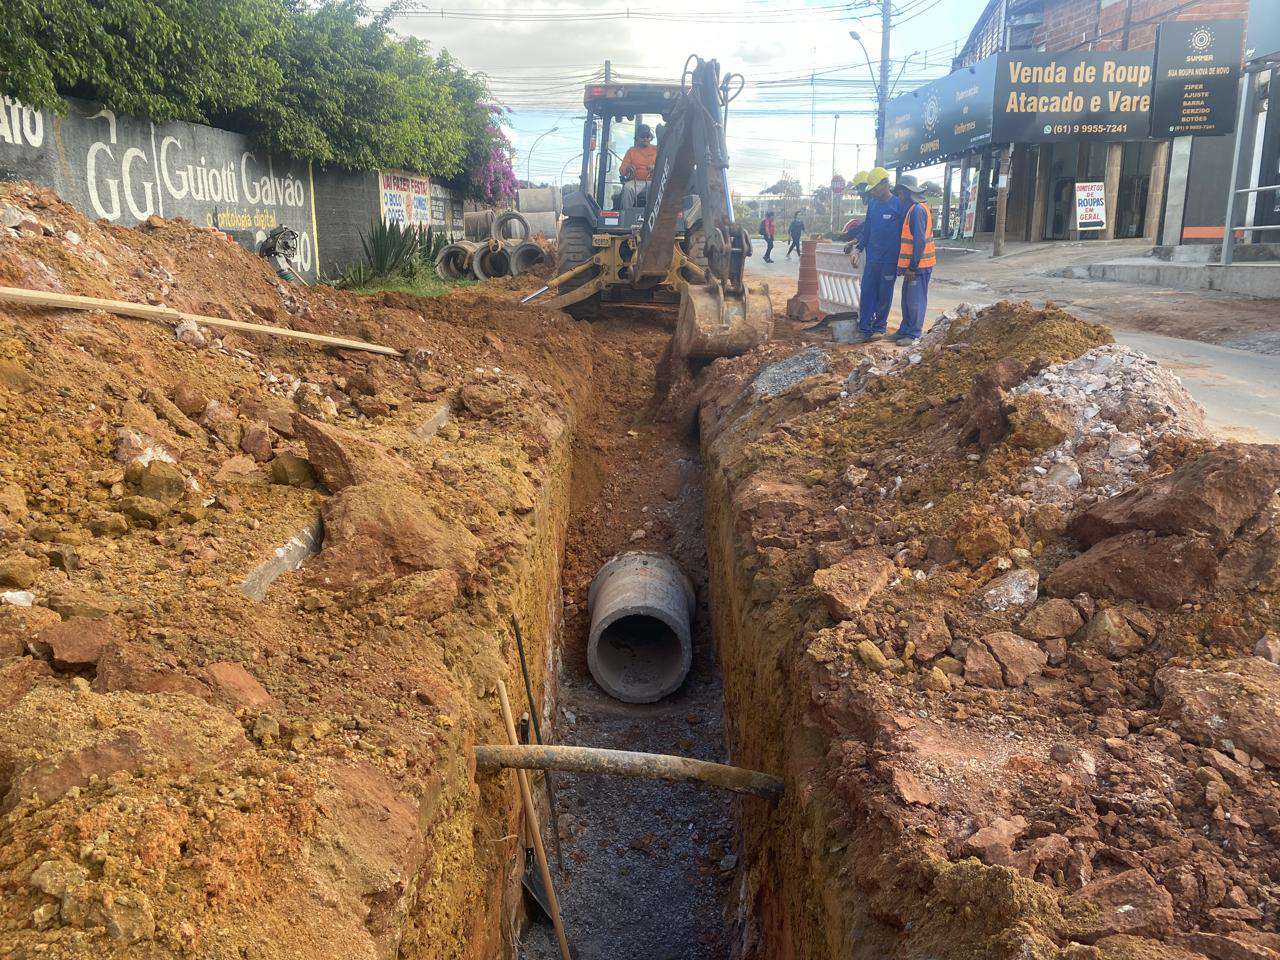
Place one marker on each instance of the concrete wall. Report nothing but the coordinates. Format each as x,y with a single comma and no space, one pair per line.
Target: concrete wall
125,169
346,203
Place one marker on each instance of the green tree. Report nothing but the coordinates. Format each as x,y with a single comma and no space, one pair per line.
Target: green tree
314,79
354,94
787,186
164,59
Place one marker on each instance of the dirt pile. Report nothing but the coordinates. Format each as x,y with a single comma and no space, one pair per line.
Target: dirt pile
1004,615
185,771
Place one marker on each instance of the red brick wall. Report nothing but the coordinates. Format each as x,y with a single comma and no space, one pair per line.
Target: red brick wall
1071,24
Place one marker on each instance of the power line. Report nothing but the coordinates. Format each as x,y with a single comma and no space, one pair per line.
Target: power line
840,11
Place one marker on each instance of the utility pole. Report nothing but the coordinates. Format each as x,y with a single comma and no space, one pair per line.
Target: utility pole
608,71
885,26
835,201
835,132
813,112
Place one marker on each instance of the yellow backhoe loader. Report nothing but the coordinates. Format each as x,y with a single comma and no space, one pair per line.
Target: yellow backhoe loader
671,239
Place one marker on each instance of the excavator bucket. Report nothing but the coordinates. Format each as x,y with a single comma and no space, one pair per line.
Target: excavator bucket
714,323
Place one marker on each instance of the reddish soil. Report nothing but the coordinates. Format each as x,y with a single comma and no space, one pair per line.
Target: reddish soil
185,771
1085,769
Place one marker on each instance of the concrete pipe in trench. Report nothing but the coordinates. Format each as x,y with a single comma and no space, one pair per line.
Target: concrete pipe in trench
640,647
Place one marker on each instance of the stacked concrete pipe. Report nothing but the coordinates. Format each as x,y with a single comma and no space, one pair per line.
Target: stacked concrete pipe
506,250
454,261
640,646
491,260
525,257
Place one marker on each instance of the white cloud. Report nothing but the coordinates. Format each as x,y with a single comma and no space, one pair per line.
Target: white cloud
540,67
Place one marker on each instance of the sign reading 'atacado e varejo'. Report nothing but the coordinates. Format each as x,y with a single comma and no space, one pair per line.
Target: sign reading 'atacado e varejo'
1074,95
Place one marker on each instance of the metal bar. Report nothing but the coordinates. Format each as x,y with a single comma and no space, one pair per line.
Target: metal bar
1269,189
1243,138
626,763
145,311
537,735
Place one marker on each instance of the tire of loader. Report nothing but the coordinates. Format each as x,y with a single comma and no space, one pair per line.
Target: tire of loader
574,249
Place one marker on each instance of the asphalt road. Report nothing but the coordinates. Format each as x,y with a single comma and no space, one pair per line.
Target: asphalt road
1239,389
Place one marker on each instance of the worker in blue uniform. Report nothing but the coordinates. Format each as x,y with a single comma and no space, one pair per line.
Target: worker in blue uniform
880,238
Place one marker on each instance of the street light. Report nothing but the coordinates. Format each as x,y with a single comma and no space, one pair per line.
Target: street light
858,37
528,167
564,169
879,86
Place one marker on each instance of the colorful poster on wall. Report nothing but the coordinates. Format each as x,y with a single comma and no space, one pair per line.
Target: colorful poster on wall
1091,206
406,197
971,205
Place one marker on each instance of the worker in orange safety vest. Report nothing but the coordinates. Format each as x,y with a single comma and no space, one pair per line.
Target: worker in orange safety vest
916,259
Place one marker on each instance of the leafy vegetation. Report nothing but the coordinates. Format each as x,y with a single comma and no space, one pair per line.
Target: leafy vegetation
321,81
396,257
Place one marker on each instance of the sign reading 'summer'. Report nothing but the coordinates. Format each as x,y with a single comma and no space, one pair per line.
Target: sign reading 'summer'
943,118
1197,78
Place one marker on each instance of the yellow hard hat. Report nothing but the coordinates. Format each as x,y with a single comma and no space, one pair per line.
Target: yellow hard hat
861,178
876,175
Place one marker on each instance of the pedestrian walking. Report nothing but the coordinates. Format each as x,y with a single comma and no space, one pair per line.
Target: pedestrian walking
768,231
917,257
795,231
879,237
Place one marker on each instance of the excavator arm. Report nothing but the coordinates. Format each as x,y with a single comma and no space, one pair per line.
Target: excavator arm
693,148
719,316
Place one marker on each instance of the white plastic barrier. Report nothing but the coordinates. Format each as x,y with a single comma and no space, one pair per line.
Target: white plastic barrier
838,286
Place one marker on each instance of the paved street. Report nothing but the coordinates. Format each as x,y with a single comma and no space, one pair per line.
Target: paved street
1239,389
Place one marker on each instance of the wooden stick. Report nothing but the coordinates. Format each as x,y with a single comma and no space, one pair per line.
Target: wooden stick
531,813
625,763
67,301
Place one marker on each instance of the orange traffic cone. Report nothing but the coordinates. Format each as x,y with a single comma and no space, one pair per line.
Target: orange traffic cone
803,307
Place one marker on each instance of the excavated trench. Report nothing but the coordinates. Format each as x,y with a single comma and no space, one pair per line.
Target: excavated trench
646,868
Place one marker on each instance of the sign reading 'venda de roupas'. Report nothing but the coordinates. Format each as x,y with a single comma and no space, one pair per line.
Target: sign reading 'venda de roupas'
124,169
1073,95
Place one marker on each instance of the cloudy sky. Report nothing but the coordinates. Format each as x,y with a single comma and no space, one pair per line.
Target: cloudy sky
540,53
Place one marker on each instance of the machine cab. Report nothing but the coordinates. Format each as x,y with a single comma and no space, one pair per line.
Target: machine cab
613,112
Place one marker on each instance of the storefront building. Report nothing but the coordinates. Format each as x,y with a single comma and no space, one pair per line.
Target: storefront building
1123,111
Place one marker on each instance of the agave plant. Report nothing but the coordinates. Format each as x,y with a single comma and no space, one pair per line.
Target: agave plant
431,242
355,276
390,248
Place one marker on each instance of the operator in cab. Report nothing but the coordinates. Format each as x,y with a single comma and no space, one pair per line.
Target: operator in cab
637,167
